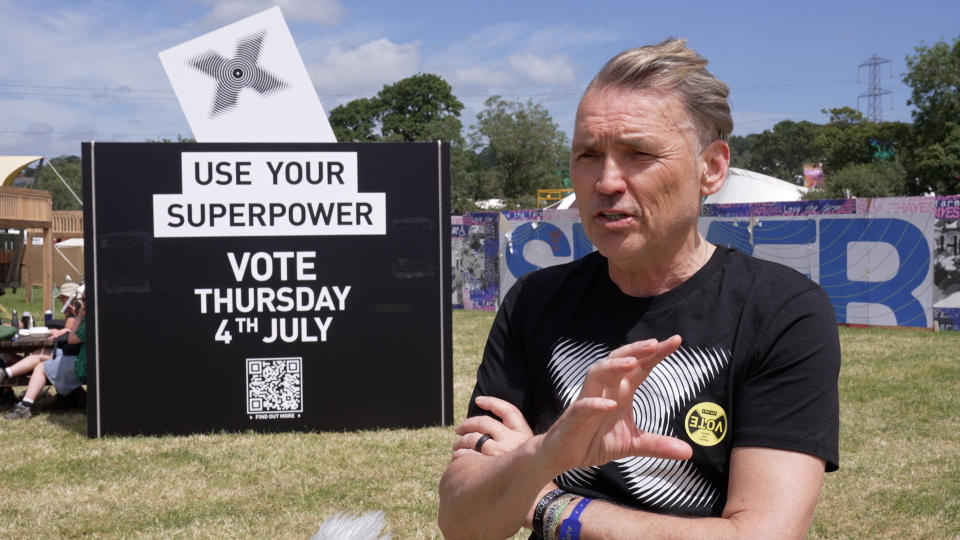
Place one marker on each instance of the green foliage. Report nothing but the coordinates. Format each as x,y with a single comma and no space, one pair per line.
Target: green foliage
522,149
848,139
71,169
933,74
779,152
355,121
741,150
468,183
881,179
938,164
848,146
421,108
843,115
934,77
927,153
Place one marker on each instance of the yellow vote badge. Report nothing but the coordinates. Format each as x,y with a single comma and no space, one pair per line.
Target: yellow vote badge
706,423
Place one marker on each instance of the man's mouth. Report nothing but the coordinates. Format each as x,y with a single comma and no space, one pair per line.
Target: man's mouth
613,216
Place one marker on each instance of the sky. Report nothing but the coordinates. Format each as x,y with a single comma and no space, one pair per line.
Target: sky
80,70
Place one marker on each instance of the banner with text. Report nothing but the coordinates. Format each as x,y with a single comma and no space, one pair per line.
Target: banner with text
270,287
885,262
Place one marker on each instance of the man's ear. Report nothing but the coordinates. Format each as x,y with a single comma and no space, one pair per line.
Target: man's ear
716,162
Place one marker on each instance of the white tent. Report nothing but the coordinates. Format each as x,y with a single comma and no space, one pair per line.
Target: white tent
10,167
741,186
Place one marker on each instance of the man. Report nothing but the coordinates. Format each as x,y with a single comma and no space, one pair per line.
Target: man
670,388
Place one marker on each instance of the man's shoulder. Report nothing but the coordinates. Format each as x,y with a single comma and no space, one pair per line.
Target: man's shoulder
761,274
769,288
554,283
561,274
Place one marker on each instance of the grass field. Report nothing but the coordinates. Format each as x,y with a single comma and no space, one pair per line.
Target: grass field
899,475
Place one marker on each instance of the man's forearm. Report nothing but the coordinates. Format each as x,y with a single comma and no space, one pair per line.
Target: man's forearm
489,497
772,494
601,520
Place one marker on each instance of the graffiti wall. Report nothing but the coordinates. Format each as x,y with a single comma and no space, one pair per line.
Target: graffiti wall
883,262
871,256
533,239
475,258
946,263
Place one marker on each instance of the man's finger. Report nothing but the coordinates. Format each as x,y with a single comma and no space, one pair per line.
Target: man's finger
508,412
606,375
637,349
660,446
482,424
646,364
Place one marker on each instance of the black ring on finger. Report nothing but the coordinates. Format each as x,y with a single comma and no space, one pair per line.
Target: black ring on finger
483,438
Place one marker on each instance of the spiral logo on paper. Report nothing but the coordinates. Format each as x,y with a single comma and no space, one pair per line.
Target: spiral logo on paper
235,74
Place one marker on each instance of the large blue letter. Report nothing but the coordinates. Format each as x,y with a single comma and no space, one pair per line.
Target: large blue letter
737,234
581,244
896,293
527,232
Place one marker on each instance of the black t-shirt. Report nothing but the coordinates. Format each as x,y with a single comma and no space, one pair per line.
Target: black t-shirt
758,367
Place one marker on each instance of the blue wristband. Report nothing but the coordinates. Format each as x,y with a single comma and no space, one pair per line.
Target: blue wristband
570,528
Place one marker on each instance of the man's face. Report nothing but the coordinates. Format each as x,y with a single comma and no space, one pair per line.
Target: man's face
636,169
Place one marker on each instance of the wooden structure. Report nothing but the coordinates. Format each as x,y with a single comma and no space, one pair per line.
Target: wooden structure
26,209
66,224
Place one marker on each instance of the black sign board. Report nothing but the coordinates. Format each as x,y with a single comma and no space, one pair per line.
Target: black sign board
271,287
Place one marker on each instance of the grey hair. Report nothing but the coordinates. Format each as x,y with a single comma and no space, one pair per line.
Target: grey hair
672,66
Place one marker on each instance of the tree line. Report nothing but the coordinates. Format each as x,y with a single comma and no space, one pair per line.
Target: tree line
514,147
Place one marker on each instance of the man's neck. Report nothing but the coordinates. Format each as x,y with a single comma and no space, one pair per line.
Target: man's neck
648,278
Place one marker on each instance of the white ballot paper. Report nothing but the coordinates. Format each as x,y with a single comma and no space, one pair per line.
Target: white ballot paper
246,82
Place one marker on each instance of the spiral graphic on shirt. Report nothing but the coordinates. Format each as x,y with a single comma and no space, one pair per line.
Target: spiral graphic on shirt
236,73
671,385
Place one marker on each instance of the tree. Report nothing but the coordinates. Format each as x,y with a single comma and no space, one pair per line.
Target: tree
355,121
780,152
881,179
70,167
933,74
849,139
741,150
421,108
521,148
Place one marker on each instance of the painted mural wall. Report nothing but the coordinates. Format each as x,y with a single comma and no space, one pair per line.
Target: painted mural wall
883,262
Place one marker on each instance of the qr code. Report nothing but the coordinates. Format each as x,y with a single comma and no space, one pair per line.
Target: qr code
274,385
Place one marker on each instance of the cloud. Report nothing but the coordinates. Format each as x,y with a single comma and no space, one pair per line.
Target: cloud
363,70
556,69
316,11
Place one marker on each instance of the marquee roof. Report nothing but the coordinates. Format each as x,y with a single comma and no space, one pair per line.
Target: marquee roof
10,167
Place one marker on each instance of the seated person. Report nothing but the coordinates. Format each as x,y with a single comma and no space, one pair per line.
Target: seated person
65,372
68,297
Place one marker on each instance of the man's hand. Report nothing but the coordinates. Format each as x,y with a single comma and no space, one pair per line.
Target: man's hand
506,436
599,425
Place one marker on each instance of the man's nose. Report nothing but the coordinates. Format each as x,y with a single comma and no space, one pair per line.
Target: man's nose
611,178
